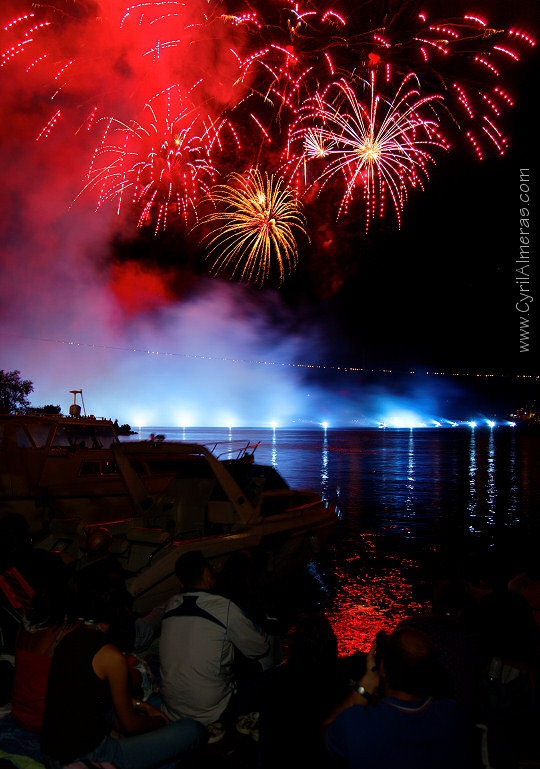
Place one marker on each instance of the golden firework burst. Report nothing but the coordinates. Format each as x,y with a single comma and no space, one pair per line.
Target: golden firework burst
258,221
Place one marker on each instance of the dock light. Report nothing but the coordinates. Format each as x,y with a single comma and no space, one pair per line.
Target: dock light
511,424
273,425
490,423
325,425
437,424
472,424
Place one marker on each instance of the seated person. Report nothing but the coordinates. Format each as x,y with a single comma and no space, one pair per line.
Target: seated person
46,622
406,728
458,641
298,696
199,634
88,681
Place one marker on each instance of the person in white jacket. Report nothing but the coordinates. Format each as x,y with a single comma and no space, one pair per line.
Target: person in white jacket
199,633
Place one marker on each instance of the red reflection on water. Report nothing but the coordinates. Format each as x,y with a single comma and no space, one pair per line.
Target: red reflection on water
371,600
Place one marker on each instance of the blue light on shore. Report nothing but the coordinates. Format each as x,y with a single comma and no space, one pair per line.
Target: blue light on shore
472,424
490,423
325,426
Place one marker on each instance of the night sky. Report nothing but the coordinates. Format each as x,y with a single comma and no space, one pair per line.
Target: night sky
87,300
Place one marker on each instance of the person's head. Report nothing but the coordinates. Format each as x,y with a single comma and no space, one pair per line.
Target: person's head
313,643
104,599
407,661
237,579
54,593
194,571
481,573
98,542
450,598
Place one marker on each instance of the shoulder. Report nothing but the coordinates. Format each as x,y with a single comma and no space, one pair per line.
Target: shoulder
215,603
349,726
108,660
172,603
110,651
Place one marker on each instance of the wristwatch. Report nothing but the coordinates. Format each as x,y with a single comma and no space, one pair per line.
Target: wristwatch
363,692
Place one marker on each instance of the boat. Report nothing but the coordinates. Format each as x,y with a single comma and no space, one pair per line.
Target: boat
158,498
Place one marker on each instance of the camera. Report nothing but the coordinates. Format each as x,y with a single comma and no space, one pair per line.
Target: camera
380,640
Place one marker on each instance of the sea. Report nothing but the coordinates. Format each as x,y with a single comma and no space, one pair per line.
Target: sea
412,504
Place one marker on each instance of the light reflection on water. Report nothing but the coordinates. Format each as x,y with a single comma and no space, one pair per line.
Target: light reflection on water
402,494
472,500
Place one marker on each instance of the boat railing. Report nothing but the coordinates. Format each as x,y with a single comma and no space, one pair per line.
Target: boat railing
68,418
238,451
187,536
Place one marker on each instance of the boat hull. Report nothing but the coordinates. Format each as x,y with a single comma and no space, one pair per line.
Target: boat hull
159,499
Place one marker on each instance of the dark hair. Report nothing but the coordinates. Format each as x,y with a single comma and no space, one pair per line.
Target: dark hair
103,599
313,643
190,568
482,569
450,597
54,593
409,660
238,580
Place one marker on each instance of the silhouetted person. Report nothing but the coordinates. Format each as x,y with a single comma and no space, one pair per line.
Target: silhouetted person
298,695
199,633
238,580
88,682
510,678
405,728
98,561
458,641
50,617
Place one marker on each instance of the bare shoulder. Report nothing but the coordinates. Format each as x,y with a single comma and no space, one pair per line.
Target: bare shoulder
108,660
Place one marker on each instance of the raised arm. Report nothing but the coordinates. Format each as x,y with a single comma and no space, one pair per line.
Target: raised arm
361,693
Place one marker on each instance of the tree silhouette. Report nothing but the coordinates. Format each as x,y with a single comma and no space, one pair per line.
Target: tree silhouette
14,392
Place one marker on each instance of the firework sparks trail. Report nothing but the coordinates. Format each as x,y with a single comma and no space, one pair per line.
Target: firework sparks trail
82,57
384,149
162,165
274,76
258,221
461,59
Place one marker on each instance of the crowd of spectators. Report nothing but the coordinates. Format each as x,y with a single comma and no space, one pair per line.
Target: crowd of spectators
454,688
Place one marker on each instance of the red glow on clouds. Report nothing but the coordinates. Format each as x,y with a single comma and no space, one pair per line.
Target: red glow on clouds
138,290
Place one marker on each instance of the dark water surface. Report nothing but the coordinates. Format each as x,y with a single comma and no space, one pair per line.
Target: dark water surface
411,503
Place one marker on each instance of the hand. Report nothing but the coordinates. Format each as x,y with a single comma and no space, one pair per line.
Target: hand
144,708
371,678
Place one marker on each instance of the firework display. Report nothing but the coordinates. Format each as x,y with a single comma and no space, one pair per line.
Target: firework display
300,101
162,165
381,148
258,220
